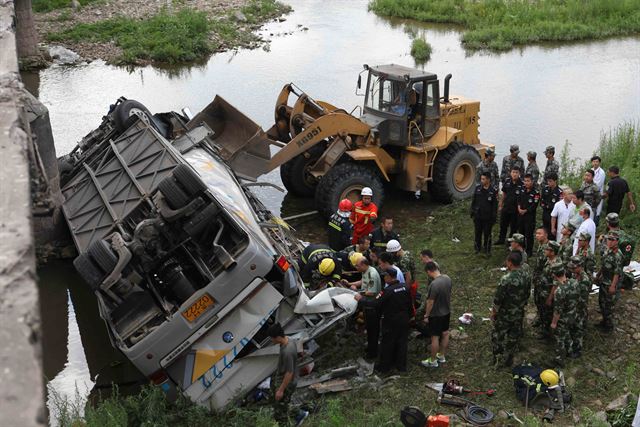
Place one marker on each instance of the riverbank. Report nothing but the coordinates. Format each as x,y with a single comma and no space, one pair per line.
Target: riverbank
504,24
140,33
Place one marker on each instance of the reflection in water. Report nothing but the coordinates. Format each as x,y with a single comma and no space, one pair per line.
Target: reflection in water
73,383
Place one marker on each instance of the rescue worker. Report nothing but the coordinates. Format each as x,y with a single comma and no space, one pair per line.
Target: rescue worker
528,200
508,311
536,273
551,194
508,204
484,211
363,214
284,381
565,303
511,161
363,246
583,281
566,243
552,164
381,235
532,168
585,254
320,259
369,287
609,280
547,288
490,167
591,191
627,245
340,229
406,264
516,244
395,307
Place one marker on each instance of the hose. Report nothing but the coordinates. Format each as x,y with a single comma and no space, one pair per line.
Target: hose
477,415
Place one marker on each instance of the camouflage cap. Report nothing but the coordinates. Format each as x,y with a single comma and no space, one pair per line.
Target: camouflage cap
613,235
557,268
532,154
613,218
584,236
574,261
570,226
515,148
489,152
554,246
550,149
517,237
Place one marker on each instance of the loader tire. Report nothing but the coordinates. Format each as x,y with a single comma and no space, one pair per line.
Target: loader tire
455,173
175,196
104,257
345,180
295,175
189,180
89,271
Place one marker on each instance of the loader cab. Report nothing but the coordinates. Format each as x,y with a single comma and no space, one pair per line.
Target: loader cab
401,104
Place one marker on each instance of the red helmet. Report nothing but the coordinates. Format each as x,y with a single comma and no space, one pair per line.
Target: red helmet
345,205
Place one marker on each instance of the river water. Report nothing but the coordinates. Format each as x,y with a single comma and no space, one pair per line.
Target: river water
534,96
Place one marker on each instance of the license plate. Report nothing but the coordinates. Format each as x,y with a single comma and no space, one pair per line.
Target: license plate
198,307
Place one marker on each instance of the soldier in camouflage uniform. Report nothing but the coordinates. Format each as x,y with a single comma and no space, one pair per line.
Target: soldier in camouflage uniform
547,288
609,280
510,161
536,272
592,194
516,244
587,258
533,169
566,243
564,312
508,310
552,164
489,166
584,287
627,245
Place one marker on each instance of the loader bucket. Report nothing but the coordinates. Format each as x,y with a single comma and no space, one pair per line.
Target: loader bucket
241,141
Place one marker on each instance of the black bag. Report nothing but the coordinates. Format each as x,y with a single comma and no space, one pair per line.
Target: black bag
410,416
527,382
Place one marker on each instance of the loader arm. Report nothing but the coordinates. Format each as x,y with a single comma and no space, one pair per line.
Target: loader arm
330,125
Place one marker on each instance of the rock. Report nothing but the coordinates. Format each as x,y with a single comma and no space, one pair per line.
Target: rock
636,336
64,56
239,16
97,13
618,403
598,371
305,29
576,417
503,414
458,334
75,5
281,19
571,381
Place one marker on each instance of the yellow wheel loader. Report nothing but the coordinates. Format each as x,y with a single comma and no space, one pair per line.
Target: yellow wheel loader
406,135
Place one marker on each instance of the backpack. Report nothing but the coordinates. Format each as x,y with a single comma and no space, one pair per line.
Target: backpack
527,382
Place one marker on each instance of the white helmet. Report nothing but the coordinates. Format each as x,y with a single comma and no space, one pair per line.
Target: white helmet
393,246
366,191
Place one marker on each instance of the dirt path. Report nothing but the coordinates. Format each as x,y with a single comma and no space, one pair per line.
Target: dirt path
61,19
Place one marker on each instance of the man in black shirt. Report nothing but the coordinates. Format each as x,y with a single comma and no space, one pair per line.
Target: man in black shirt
616,190
551,194
381,235
395,306
484,211
527,205
508,204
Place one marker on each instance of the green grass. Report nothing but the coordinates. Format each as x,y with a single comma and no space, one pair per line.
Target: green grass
618,147
502,24
420,50
173,37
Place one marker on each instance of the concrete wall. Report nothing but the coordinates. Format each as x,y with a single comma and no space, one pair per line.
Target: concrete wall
21,381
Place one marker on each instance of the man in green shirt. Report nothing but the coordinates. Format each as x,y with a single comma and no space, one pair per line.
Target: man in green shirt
369,286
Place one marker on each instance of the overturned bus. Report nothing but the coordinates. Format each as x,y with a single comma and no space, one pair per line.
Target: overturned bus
188,267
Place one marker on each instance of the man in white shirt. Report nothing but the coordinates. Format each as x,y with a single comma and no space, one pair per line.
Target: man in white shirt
578,202
561,213
598,177
587,226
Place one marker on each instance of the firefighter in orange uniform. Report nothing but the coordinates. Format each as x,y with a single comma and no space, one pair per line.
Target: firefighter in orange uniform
363,214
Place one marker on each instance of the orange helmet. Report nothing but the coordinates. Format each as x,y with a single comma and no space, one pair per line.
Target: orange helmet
345,205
